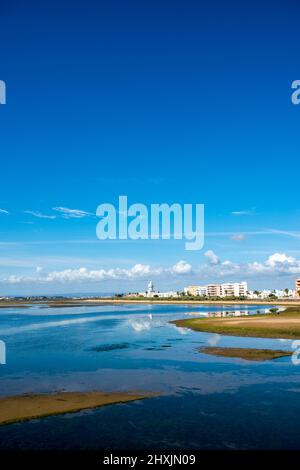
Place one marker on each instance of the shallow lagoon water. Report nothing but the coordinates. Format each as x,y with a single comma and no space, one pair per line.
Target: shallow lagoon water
206,402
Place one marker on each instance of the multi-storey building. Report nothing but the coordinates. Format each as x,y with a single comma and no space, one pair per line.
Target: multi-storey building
214,290
191,290
196,290
235,289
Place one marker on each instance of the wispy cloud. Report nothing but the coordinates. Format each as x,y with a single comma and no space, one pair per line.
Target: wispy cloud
4,211
244,212
238,237
40,215
288,233
63,212
72,213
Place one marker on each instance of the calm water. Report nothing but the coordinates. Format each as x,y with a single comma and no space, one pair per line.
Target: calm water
206,402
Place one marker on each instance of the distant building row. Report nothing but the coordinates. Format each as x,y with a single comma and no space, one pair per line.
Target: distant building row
235,289
230,289
240,289
267,293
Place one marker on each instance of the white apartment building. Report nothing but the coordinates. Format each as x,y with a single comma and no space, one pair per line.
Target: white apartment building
214,290
202,290
235,289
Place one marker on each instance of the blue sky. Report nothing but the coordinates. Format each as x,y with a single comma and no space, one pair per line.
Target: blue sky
163,102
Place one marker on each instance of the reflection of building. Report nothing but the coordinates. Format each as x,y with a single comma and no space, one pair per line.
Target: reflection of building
232,313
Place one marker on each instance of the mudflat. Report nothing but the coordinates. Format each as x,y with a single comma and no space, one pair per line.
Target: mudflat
249,354
26,407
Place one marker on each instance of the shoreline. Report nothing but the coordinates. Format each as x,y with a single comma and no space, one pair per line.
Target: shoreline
104,301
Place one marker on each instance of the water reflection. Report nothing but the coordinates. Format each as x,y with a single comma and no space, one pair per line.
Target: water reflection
232,313
137,348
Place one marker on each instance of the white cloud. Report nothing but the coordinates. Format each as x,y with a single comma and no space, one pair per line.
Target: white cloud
40,215
238,237
276,265
279,259
212,257
4,211
72,213
181,268
63,212
138,271
13,279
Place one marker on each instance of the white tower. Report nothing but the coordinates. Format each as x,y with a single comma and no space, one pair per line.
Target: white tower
150,288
